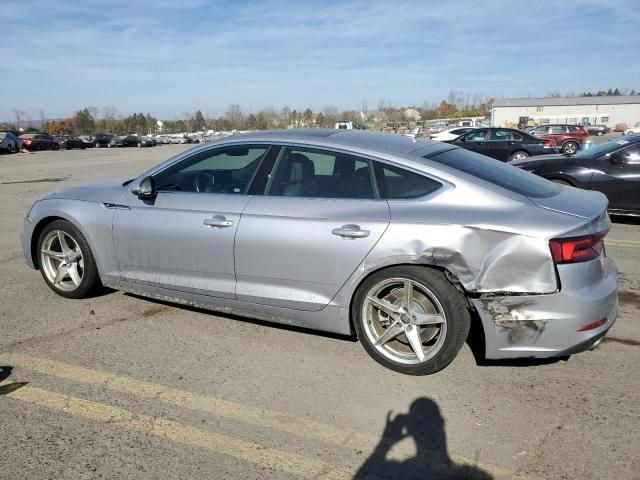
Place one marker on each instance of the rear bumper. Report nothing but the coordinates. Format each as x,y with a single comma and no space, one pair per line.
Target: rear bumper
542,326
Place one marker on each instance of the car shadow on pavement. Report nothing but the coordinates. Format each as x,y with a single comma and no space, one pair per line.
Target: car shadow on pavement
425,425
625,220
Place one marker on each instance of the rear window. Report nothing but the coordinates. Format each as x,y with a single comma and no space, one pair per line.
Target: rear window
397,183
498,173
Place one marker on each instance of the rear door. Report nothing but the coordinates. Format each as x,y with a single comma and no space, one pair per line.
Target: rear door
298,244
618,177
499,144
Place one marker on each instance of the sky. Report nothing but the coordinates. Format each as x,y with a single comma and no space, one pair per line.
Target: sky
175,57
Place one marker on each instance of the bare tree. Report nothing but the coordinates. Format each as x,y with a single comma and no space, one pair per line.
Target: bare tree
18,114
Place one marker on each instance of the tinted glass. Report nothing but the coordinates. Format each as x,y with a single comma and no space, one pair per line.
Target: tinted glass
602,149
557,130
304,172
476,136
227,170
397,183
628,156
500,135
498,173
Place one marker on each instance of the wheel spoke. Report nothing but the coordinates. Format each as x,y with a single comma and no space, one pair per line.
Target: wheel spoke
427,319
63,243
383,305
75,275
413,335
52,254
60,274
390,333
408,294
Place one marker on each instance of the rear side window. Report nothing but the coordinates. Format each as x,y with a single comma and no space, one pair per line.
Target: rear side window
498,173
397,183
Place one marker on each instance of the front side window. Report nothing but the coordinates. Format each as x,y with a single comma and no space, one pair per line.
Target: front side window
557,130
305,172
630,156
225,170
398,183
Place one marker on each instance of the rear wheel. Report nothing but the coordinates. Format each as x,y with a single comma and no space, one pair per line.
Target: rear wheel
570,148
410,319
519,155
66,261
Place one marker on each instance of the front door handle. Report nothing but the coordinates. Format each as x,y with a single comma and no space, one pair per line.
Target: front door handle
350,231
217,221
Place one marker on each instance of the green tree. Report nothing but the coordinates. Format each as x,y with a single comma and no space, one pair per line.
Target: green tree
83,122
320,120
198,122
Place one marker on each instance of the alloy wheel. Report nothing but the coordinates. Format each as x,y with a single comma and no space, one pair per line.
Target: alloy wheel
62,261
404,321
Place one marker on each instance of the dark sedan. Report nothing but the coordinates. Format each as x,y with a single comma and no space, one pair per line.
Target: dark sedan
131,141
504,144
69,142
38,141
612,168
102,139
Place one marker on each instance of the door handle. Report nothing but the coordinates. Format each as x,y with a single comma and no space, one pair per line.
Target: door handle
217,221
350,231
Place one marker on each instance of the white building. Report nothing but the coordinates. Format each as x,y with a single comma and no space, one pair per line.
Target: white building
609,110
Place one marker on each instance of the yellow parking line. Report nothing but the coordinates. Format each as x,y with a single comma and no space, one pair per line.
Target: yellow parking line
621,243
260,417
224,408
240,449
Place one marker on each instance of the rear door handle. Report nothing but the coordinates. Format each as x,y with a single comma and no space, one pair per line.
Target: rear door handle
350,231
217,221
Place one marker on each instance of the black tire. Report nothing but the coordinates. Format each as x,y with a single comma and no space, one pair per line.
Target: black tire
518,153
454,307
90,278
568,146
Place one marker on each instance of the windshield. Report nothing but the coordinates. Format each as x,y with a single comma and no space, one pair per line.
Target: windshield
603,148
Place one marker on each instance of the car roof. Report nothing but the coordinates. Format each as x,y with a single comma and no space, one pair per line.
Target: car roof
358,139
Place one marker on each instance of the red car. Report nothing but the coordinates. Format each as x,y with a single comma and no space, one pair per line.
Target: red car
568,138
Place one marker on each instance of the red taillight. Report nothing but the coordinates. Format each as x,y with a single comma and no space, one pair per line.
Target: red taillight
584,132
549,144
577,249
591,326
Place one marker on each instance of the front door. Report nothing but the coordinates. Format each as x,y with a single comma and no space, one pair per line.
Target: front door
297,245
473,140
184,238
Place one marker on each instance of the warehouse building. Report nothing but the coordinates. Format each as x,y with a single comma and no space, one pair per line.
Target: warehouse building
609,111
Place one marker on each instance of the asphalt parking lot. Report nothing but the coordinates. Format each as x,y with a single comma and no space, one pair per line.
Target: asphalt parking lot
119,386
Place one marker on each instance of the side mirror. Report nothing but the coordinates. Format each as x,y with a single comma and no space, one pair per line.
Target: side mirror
146,189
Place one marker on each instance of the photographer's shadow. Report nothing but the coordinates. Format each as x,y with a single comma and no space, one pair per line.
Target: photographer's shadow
425,425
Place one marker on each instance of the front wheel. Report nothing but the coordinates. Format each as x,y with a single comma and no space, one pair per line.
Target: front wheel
570,148
410,319
66,261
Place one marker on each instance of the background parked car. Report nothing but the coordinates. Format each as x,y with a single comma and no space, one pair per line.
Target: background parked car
450,134
130,141
9,143
102,139
620,127
69,142
38,141
568,138
504,144
612,168
635,130
87,140
597,129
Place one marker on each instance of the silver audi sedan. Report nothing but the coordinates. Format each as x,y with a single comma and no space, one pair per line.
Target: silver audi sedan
402,242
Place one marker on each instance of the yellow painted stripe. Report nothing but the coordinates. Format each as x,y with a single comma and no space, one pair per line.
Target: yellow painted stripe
240,449
260,417
257,416
622,243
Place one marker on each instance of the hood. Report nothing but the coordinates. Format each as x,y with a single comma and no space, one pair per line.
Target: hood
107,190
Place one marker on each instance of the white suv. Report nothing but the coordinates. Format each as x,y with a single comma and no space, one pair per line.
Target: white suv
635,130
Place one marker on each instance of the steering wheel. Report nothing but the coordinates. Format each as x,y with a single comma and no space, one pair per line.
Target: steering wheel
203,180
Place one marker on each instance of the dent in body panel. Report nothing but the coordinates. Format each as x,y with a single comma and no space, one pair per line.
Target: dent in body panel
514,319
